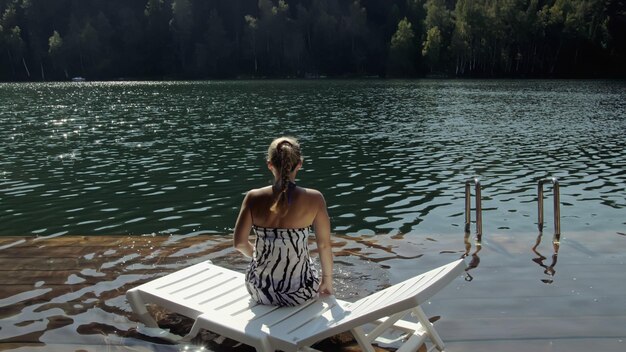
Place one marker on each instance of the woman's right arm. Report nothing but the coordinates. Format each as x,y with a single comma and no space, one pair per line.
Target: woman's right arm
243,225
324,246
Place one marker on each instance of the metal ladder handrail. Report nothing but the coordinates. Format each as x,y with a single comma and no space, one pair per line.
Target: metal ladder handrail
557,205
479,211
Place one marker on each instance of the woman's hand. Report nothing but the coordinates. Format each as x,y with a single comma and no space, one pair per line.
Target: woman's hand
326,286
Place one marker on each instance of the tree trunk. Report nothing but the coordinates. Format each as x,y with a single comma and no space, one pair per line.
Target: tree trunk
534,58
556,57
25,67
256,63
82,65
494,56
11,61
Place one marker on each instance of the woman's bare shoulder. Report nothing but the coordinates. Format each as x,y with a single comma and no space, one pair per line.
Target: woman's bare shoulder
313,194
257,193
260,191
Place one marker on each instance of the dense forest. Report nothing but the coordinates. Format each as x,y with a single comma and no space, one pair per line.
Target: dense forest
198,39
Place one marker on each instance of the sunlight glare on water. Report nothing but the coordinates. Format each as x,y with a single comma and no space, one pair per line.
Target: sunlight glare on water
390,156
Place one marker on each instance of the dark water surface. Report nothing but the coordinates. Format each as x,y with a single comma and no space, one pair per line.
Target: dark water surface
175,159
390,156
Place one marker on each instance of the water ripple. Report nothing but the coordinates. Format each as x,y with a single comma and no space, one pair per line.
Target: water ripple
390,156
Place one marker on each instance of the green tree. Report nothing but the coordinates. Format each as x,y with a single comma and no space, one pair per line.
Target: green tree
464,41
207,38
217,45
615,24
105,31
157,42
181,26
15,46
251,30
438,24
56,50
355,24
37,20
402,50
89,47
131,56
321,33
437,15
11,35
273,23
432,47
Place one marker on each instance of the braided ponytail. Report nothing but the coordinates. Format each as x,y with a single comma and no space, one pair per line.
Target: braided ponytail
284,154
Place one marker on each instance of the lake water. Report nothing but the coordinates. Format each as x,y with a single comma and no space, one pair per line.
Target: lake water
392,159
390,156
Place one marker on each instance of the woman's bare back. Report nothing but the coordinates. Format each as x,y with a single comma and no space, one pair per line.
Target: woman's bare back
304,204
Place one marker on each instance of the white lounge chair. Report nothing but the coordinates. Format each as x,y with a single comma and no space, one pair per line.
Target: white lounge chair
218,301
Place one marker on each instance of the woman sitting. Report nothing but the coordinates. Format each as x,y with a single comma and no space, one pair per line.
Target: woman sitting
281,271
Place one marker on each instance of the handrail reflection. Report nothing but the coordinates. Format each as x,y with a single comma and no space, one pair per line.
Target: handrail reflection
475,258
549,269
479,226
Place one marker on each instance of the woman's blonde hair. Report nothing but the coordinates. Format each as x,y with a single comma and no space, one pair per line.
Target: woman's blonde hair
285,155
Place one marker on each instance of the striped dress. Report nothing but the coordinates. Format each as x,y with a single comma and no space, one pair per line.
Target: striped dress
281,272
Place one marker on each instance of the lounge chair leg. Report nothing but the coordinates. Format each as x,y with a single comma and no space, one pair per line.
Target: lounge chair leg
362,339
428,326
137,305
195,329
264,346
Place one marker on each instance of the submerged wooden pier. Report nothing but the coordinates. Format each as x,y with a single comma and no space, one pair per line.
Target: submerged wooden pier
67,293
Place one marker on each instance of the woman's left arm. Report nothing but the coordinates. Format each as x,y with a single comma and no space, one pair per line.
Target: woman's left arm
324,246
243,225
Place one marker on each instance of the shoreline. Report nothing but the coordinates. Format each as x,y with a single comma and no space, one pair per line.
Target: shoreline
616,78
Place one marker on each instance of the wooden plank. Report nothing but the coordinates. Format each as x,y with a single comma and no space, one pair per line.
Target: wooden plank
16,242
146,246
12,294
9,239
48,277
100,241
109,241
91,251
39,263
31,270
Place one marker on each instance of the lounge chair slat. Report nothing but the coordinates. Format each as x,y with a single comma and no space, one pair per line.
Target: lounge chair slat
179,275
245,309
298,317
224,301
212,289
